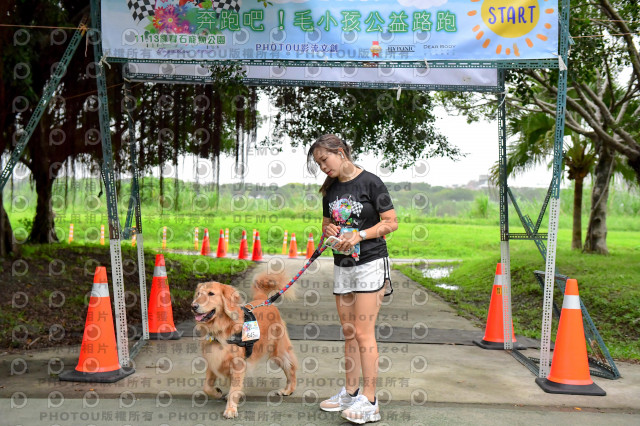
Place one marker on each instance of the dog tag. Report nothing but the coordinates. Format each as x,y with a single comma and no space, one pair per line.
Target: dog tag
250,331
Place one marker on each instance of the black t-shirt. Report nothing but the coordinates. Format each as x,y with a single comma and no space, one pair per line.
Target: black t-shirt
357,204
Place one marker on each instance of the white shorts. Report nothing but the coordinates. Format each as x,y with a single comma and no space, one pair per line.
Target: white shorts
366,278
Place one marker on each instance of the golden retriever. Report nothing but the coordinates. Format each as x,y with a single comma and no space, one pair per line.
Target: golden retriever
218,313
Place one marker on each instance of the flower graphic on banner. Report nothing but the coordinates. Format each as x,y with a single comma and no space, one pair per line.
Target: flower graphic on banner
166,19
511,22
182,16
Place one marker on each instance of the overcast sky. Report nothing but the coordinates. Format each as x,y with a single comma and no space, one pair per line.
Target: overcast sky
479,141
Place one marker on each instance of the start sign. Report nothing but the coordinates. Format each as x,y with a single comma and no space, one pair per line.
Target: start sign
510,18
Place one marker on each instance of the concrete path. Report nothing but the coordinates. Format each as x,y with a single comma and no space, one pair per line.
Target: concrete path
419,383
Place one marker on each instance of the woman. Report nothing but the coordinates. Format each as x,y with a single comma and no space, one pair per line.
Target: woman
357,209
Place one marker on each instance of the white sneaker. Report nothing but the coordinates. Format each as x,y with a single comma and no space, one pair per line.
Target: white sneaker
362,411
339,401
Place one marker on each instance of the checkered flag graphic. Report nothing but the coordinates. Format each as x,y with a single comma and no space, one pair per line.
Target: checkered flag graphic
140,9
356,208
232,5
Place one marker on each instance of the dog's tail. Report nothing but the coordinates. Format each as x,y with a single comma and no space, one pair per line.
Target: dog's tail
266,284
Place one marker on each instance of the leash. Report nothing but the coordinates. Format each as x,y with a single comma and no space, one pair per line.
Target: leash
318,251
250,333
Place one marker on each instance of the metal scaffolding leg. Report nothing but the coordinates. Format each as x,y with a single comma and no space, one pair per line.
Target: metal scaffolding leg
554,202
549,279
505,257
109,183
130,103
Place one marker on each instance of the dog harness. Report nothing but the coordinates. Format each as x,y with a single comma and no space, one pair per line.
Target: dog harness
236,339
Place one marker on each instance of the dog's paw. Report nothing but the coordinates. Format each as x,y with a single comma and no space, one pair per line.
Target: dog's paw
215,393
285,392
230,413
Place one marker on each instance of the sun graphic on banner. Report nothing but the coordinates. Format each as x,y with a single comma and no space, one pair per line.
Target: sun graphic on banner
506,23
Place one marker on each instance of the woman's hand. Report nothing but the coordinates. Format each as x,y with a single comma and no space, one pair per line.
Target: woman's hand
348,240
331,230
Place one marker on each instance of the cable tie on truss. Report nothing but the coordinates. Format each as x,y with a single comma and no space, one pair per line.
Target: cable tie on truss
505,93
103,61
561,65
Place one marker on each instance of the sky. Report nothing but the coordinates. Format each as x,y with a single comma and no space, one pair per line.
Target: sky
479,141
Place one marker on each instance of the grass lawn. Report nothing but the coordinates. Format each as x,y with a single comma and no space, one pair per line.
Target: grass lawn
609,285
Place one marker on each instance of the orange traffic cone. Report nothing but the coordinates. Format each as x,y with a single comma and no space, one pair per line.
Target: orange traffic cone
205,243
570,366
98,361
161,325
310,247
253,241
284,242
293,247
494,333
226,240
257,249
221,251
243,253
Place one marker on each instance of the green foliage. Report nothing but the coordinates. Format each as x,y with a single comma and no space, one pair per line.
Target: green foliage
26,223
374,122
481,207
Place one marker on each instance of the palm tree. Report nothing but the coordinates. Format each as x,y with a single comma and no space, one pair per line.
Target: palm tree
579,159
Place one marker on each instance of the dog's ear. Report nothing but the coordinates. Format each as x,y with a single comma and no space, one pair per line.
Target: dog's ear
230,300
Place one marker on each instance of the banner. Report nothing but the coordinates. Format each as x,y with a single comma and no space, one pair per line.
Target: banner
382,78
331,31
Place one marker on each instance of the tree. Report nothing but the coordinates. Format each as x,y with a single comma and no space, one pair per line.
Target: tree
64,131
603,96
166,117
372,121
579,160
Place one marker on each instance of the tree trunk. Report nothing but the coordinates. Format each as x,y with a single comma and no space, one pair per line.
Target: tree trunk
576,239
44,174
596,240
634,163
6,233
43,230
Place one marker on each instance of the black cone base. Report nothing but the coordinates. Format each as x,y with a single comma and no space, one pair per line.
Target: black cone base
166,335
553,387
484,344
105,377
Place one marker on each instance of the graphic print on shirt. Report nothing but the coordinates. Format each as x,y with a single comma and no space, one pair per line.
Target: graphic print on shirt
343,210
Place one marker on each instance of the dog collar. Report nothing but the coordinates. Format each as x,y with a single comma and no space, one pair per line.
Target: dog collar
211,338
